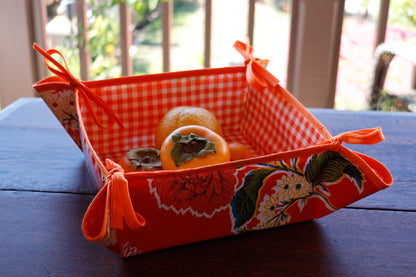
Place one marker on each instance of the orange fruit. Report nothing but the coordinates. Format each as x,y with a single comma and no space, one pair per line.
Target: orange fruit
193,146
239,151
183,116
124,162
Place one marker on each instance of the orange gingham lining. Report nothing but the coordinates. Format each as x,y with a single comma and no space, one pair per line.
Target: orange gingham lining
266,122
140,105
272,124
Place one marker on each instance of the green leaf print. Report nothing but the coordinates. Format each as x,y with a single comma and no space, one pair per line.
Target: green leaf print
352,171
245,200
329,167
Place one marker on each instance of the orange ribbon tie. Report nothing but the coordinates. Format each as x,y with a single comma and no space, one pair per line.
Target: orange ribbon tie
87,93
257,75
121,207
364,136
116,208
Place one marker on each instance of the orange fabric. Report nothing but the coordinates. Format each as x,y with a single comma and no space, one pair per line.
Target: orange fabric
121,208
364,136
95,224
116,209
257,75
64,73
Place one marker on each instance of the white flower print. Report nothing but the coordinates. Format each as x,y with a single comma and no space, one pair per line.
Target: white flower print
292,186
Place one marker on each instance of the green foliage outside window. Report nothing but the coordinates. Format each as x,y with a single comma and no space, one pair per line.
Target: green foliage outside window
403,12
104,30
104,33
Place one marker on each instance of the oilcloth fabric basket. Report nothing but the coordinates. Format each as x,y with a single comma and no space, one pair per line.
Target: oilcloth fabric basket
299,171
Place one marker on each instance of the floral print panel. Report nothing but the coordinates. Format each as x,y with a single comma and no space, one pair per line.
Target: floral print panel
264,195
277,193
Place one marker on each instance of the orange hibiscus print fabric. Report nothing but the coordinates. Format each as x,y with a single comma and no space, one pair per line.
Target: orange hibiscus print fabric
201,195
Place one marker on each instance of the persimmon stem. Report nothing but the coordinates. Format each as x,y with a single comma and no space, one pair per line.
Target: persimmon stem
188,147
146,158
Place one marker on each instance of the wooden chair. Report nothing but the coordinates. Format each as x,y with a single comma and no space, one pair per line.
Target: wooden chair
383,56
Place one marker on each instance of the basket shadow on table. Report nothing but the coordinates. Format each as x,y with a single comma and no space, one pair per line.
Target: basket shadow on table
266,252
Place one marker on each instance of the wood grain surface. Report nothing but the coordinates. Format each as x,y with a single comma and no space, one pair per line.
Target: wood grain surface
43,238
45,191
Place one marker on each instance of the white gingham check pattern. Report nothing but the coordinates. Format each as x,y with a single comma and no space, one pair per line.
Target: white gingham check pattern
271,124
266,122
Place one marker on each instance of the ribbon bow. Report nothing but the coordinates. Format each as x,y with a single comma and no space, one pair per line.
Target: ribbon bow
257,75
87,93
113,202
121,208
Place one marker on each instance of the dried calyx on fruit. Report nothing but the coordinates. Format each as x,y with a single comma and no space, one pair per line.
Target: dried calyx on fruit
144,158
188,147
193,146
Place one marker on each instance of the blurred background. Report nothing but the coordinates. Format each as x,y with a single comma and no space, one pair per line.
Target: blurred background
95,37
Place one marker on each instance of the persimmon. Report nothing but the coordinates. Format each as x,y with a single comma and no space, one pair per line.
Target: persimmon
183,116
124,162
141,159
239,151
193,146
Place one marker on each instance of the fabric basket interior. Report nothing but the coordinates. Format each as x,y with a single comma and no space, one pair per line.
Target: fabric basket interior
266,122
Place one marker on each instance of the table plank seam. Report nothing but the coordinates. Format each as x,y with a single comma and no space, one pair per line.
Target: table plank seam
380,209
47,191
